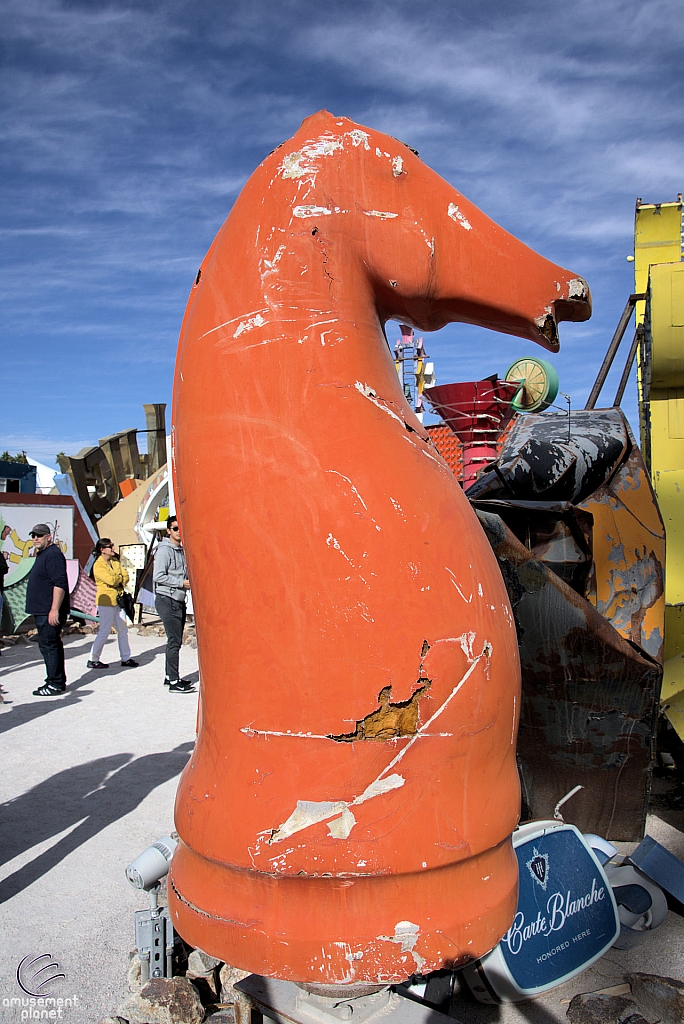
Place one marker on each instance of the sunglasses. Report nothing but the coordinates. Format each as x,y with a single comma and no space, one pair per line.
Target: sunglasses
176,528
37,536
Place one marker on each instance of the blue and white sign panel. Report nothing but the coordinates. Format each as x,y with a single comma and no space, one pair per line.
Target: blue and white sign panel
566,917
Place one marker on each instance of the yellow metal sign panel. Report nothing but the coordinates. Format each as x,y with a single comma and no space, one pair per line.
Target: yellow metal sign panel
667,325
672,693
667,430
670,493
657,239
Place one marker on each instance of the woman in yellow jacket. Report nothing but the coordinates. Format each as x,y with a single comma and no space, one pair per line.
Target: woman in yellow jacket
111,578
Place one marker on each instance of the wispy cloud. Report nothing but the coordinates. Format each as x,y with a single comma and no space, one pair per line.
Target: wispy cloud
129,130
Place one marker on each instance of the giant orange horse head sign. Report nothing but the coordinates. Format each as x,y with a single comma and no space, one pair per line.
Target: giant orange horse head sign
346,814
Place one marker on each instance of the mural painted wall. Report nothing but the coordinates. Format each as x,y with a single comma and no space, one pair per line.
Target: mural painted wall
17,521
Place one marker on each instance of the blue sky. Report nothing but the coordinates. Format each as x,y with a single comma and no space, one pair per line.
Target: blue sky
129,129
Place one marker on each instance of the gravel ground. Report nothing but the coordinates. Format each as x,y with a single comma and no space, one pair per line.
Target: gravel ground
88,782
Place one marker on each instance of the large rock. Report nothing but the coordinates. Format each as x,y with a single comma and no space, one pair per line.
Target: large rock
164,1001
201,963
203,973
598,1008
134,977
658,997
229,976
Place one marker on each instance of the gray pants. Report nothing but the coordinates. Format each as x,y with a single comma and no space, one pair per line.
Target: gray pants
172,614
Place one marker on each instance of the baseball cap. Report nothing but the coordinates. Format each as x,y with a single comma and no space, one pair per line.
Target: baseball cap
41,530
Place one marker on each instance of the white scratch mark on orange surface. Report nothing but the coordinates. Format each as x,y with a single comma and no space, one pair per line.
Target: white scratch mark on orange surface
227,323
250,324
337,473
453,581
334,542
367,391
270,265
457,216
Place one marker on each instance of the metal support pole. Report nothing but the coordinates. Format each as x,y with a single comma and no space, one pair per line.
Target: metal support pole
612,350
242,1008
628,365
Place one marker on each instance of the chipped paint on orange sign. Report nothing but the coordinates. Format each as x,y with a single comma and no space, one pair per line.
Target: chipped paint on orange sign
339,572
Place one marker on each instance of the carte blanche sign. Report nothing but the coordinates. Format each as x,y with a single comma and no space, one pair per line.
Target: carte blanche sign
565,920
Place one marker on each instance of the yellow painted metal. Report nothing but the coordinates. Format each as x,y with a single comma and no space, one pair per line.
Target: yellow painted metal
629,549
667,326
672,692
657,239
659,270
670,492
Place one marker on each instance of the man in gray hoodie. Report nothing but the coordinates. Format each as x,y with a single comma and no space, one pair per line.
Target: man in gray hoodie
171,585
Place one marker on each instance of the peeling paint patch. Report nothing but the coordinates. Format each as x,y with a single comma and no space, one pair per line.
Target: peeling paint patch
457,216
382,214
249,325
311,812
340,827
296,165
406,934
307,813
311,211
389,720
577,289
368,392
397,166
359,138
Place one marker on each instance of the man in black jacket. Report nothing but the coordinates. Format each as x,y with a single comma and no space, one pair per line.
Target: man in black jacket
47,599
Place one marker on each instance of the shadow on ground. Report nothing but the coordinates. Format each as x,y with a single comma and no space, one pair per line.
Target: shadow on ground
90,796
20,714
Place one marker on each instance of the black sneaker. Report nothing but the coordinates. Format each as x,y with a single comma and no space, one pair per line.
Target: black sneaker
182,686
97,664
49,691
129,664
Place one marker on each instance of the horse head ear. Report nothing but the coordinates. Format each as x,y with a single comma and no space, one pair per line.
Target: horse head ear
320,119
